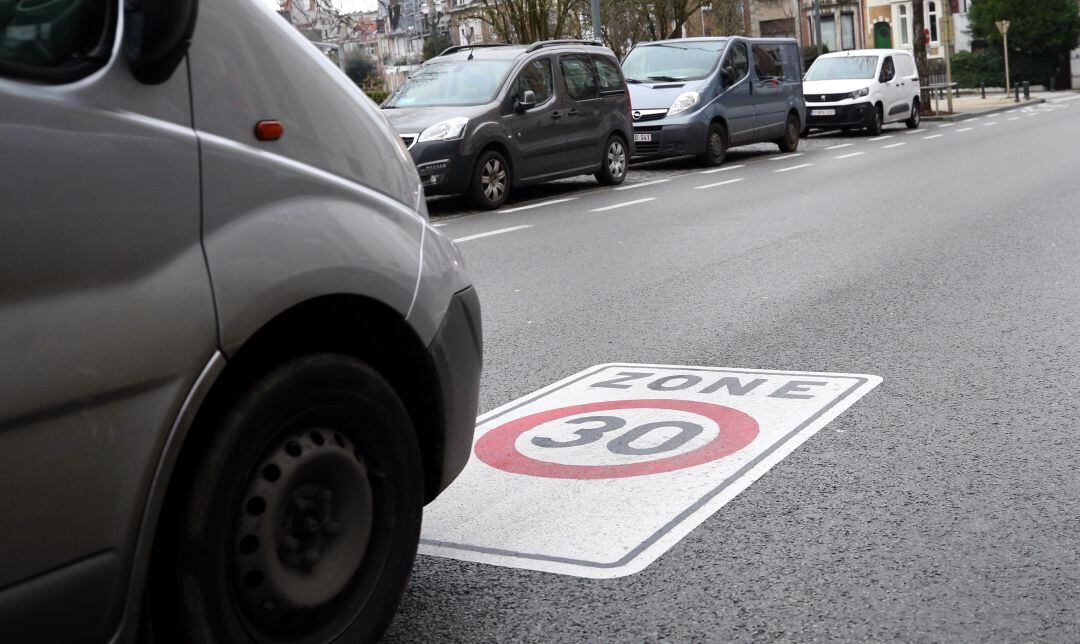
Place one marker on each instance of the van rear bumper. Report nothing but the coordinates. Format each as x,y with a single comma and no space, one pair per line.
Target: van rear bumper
670,140
457,352
851,115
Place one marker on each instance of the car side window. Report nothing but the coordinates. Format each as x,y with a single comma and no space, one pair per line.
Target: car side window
768,63
738,62
579,77
611,81
39,39
536,77
888,71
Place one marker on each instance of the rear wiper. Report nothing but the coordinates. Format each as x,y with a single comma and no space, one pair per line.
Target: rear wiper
668,79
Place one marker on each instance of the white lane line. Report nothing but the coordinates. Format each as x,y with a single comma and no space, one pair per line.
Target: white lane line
723,169
1015,118
974,118
643,184
623,205
848,156
794,167
438,225
784,157
881,138
990,123
491,232
946,124
713,185
933,136
893,145
911,132
534,205
965,129
842,145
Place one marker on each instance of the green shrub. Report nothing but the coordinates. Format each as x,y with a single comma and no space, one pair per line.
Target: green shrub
376,95
987,66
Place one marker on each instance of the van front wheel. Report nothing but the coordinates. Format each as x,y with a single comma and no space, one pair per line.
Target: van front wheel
877,121
913,120
715,145
490,182
790,141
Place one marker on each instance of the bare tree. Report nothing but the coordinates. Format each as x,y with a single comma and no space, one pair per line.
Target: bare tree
527,21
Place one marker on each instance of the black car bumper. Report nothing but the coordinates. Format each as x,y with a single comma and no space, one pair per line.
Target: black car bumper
443,169
458,355
853,115
670,140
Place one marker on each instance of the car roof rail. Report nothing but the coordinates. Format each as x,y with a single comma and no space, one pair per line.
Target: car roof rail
457,48
552,43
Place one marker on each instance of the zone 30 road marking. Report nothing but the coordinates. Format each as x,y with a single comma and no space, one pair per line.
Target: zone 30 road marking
599,474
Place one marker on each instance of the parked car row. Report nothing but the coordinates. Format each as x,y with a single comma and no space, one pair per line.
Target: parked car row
481,120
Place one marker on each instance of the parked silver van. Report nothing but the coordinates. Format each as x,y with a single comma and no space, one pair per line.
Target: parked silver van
699,96
235,358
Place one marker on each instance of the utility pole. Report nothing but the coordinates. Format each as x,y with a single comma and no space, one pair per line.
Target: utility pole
817,24
595,7
1003,27
947,44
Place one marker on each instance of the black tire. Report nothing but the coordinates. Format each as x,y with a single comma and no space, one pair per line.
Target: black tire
490,184
790,141
716,143
877,121
915,118
299,518
615,162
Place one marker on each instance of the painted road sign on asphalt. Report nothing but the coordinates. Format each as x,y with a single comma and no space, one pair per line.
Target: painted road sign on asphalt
600,473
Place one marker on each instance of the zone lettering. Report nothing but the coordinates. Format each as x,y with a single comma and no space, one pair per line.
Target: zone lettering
735,386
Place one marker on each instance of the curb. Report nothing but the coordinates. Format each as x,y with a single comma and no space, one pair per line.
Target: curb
992,110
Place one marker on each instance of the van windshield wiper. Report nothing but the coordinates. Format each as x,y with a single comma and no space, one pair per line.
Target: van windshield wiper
668,79
634,80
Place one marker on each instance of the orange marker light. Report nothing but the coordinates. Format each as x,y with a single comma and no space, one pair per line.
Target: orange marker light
269,130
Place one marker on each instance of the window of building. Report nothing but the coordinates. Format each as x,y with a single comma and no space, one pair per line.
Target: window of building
931,12
579,77
828,33
847,30
905,39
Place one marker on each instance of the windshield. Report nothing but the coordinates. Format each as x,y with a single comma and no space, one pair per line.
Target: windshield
842,67
460,82
672,61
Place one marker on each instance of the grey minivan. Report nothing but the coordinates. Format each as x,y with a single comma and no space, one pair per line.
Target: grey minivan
699,96
481,120
236,358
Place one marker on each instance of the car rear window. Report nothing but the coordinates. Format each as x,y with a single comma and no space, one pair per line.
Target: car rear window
607,71
579,77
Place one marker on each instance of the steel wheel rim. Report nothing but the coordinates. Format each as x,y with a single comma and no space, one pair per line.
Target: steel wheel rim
915,116
716,144
302,531
793,133
616,159
493,180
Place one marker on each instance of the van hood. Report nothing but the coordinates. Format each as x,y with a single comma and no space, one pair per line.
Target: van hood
414,120
840,86
654,96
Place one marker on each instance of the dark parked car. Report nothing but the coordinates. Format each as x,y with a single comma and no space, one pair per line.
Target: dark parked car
481,120
235,357
701,95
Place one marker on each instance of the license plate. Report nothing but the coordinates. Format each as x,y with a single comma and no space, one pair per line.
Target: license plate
822,112
645,138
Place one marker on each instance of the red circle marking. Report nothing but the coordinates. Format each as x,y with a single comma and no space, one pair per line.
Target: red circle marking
498,447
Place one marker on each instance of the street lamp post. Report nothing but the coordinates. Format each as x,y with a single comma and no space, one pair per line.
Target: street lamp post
1003,27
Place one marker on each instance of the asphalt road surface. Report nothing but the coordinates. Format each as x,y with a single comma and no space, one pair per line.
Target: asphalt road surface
944,505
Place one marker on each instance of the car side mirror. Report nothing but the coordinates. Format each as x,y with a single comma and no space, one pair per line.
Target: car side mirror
156,36
526,102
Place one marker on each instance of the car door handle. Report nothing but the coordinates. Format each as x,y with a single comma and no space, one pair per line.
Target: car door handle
556,115
573,112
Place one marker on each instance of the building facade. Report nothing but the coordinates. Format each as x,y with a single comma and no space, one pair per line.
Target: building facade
834,25
891,25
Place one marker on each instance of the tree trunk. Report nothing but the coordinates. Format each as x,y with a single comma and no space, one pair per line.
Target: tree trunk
918,25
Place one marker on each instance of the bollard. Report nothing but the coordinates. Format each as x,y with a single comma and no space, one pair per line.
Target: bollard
1053,83
982,87
1017,87
1027,91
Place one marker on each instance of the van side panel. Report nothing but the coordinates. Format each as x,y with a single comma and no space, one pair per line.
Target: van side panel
329,208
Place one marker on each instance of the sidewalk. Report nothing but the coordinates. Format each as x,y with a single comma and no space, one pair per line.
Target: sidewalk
968,105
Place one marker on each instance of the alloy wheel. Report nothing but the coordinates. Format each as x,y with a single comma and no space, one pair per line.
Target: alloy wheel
616,158
493,180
